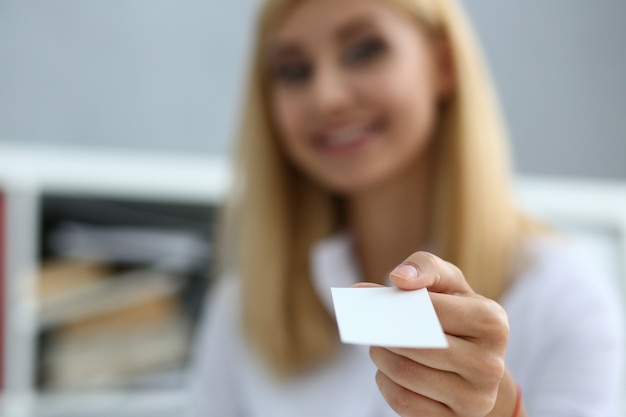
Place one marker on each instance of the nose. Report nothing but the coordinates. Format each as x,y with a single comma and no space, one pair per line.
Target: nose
330,91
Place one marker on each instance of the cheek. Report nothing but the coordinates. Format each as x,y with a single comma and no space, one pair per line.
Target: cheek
288,119
407,98
289,113
282,112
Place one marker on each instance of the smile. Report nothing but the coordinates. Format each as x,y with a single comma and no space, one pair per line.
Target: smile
347,137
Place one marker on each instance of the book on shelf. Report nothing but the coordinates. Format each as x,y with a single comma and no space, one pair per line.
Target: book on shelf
167,247
103,330
111,314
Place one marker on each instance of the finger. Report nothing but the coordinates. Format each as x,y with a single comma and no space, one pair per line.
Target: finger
458,394
407,403
365,285
441,386
468,361
425,270
453,359
472,317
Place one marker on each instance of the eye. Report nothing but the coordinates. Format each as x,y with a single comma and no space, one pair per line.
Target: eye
365,51
292,72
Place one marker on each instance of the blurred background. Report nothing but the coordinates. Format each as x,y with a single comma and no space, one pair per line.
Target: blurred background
115,117
167,75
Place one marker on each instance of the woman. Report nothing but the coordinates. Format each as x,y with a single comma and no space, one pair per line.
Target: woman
371,143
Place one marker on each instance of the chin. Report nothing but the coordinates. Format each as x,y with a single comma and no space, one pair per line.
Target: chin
350,185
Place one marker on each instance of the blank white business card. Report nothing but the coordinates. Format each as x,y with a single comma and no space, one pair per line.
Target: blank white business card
387,316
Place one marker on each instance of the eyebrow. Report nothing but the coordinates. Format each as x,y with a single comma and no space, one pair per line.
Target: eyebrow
354,27
277,50
282,50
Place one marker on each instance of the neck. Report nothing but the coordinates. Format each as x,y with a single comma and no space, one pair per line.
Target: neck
390,222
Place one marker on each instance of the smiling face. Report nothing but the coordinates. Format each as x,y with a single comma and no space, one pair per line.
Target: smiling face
353,87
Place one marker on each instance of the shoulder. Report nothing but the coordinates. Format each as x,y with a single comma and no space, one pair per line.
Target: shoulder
562,304
213,379
218,326
224,289
562,296
565,321
556,274
218,332
223,304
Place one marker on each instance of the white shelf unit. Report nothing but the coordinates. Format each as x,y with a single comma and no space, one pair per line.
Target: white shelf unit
26,173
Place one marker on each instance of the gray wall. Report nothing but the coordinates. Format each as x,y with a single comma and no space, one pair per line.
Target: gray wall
167,75
135,73
560,66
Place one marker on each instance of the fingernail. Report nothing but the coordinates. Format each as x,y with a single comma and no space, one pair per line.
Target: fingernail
406,271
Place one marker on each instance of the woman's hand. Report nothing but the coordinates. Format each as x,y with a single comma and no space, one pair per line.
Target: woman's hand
469,378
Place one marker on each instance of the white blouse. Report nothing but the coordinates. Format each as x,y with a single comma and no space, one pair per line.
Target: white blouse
565,348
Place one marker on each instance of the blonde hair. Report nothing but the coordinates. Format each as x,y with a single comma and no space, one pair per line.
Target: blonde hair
276,214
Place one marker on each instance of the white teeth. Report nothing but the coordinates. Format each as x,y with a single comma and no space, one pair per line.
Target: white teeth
345,136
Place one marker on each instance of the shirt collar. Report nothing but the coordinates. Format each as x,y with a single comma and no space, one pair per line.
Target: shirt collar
333,264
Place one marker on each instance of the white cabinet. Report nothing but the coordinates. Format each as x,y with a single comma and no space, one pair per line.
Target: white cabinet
29,175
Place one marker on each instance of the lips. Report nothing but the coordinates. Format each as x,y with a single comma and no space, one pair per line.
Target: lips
347,136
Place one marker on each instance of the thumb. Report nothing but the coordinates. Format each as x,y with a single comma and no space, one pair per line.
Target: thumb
425,270
366,285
